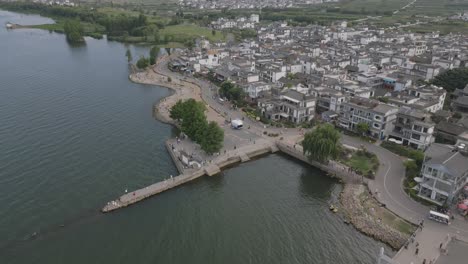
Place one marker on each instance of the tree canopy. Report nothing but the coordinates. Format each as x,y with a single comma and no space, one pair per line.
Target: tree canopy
452,79
128,54
363,128
191,115
153,55
231,91
74,31
322,143
212,138
142,63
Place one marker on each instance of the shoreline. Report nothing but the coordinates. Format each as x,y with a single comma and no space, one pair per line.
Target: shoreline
160,109
369,222
348,197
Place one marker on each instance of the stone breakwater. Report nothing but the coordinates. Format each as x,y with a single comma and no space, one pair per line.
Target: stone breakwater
365,222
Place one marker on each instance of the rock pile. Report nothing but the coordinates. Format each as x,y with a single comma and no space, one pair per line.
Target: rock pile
367,223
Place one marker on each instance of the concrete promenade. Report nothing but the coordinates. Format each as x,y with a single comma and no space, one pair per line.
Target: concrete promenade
242,154
333,168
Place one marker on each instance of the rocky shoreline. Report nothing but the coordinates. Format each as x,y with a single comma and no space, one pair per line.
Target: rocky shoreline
367,222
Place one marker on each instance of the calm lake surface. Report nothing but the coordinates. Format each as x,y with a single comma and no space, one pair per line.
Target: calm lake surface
75,133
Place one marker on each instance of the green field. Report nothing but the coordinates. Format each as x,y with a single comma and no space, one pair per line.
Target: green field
365,163
373,5
190,31
438,7
444,27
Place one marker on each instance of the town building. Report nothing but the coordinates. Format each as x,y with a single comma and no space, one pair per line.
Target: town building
378,116
291,106
413,128
444,173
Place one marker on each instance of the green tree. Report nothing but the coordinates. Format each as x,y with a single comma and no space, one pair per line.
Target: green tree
231,91
452,79
128,54
192,119
190,44
73,31
153,55
212,138
322,143
157,37
363,128
142,63
383,99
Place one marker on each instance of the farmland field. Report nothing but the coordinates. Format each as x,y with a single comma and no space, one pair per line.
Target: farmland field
190,30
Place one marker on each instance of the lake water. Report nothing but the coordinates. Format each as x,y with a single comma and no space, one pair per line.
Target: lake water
75,133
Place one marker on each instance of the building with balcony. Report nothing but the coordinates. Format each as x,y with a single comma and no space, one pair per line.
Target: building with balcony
413,128
292,106
444,173
379,116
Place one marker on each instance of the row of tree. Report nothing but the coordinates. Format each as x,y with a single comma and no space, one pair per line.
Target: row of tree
193,123
115,25
144,62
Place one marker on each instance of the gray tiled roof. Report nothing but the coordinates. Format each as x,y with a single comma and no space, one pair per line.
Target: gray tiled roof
450,128
447,159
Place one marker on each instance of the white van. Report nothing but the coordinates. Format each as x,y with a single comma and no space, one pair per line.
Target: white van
237,124
438,217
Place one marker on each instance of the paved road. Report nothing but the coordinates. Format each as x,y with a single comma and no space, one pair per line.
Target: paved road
389,185
389,177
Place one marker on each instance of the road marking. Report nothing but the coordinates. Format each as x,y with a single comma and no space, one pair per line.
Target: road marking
386,190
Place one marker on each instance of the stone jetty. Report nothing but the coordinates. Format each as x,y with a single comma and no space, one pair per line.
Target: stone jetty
241,154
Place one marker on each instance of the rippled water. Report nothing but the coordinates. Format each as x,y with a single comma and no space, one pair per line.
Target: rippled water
74,133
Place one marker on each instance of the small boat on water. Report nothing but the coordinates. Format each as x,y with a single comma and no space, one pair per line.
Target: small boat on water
9,25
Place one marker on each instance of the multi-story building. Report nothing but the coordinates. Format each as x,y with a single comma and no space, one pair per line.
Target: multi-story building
379,116
293,106
444,173
328,99
413,128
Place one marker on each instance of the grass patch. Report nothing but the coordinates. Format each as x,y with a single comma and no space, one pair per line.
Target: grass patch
445,27
373,5
187,31
363,162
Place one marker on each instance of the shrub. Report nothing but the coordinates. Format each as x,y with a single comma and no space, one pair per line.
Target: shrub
416,155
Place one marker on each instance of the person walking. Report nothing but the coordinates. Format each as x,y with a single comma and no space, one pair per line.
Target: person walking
417,251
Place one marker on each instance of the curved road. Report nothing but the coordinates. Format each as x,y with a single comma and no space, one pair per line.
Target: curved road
388,183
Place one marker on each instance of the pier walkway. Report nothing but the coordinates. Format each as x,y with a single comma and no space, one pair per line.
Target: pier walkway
238,155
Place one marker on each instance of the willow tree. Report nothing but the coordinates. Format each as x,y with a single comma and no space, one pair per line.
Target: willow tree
322,144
